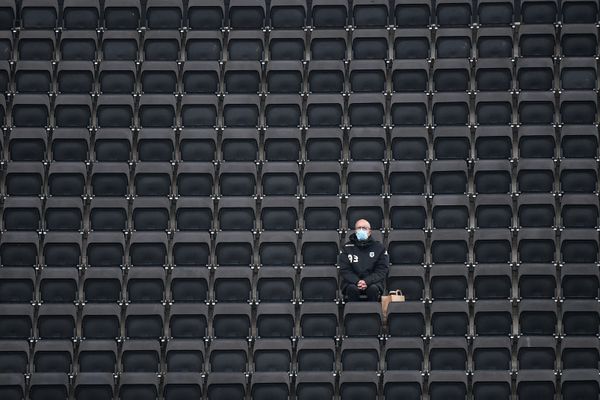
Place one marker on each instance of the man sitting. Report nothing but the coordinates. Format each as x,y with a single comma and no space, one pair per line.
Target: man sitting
363,264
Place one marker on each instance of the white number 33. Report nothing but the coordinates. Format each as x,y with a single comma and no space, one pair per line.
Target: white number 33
352,258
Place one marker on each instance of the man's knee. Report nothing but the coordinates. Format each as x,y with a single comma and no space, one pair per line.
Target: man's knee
352,293
372,293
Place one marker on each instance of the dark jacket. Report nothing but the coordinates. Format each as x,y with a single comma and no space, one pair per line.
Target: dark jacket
366,260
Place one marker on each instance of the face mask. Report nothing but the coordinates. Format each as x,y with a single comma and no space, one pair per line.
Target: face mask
361,234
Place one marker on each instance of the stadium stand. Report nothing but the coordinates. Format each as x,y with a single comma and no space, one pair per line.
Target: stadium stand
177,178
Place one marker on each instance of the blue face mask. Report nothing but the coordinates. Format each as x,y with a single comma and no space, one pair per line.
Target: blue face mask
361,234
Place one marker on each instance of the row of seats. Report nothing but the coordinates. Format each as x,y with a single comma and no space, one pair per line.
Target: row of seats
368,178
318,213
153,249
281,14
378,45
313,145
239,284
306,354
447,385
291,77
535,317
244,111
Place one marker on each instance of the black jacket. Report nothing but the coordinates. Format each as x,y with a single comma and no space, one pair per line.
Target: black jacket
366,260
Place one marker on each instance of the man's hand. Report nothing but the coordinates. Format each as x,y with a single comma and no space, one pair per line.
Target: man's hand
362,285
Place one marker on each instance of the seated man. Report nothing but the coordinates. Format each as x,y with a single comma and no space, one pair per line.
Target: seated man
363,264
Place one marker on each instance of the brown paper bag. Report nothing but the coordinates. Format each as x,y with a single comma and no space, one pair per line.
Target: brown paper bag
393,295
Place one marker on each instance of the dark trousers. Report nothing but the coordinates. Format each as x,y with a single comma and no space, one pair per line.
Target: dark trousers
353,293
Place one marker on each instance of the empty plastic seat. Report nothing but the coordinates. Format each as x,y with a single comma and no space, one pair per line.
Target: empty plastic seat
276,285
453,43
318,284
138,385
577,108
81,14
59,285
412,44
185,356
195,179
365,178
275,320
188,321
537,317
146,286
189,285
447,385
97,385
536,40
49,386
36,46
404,383
320,248
360,354
270,385
140,356
536,384
39,15
16,286
70,145
30,111
33,77
323,144
578,353
203,15
245,16
325,76
204,46
102,285
406,319
356,385
232,285
148,249
449,247
575,12
287,46
6,46
105,249
108,214
491,354
362,319
231,321
279,214
324,110
115,77
580,282
452,142
579,318
115,111
144,321
19,249
78,46
236,213
8,12
575,384
53,356
164,15
101,321
535,176
56,321
64,214
286,15
122,15
221,386
318,320
159,77
22,214
197,145
67,179
120,46
536,142
322,178
228,355
280,179
406,247
539,12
